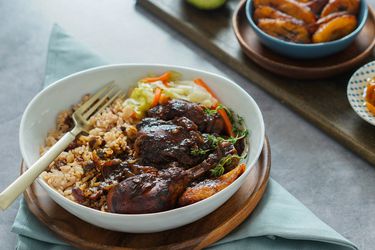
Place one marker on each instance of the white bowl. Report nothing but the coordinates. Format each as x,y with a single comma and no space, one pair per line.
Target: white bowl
356,88
40,116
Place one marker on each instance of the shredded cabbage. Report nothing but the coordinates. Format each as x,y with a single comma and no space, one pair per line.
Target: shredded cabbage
142,96
140,99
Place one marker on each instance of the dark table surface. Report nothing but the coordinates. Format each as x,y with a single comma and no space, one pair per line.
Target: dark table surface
334,183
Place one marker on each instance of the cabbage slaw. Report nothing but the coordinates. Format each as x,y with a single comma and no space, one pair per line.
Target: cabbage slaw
143,96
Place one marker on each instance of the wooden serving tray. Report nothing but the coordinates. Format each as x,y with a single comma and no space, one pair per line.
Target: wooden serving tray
323,102
197,235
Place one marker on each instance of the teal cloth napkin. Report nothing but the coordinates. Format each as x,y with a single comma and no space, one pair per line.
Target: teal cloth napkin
280,221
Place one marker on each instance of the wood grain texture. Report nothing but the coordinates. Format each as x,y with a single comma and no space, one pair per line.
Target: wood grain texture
197,235
323,101
349,58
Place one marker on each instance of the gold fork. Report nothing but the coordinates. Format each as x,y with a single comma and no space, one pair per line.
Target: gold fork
81,116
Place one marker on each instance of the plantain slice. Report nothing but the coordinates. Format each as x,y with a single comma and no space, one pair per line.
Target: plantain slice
287,30
313,28
334,29
290,7
330,17
272,13
349,6
316,6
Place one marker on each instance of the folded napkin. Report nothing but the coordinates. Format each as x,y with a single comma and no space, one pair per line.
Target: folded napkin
280,221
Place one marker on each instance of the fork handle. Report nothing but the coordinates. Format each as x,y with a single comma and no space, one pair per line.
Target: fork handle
27,178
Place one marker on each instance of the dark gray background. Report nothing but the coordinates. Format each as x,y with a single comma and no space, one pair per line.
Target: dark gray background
330,180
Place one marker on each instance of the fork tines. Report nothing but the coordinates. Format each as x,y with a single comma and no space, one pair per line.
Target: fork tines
99,101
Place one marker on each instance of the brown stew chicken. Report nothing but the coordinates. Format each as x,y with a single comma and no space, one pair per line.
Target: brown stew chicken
180,155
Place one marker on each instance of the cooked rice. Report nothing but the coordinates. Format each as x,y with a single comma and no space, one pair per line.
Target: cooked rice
110,134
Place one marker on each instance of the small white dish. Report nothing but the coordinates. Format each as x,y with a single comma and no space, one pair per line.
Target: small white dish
40,117
356,89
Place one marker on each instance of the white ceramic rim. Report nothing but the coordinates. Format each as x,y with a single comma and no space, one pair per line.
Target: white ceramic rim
350,83
45,91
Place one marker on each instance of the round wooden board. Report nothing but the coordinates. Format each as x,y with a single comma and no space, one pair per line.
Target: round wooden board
196,235
303,69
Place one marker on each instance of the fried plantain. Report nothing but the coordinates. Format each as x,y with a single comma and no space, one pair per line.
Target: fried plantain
316,6
209,187
370,91
272,13
349,6
285,29
334,29
323,20
330,17
290,7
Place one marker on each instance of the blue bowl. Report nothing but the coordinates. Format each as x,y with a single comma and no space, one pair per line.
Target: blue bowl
307,51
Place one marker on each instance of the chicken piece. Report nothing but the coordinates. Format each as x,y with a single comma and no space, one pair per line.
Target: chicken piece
116,170
193,111
316,6
335,29
148,193
209,187
161,142
349,6
272,13
285,29
159,191
290,7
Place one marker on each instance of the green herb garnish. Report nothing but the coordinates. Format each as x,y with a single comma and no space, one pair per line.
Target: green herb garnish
219,169
199,151
239,135
215,140
213,111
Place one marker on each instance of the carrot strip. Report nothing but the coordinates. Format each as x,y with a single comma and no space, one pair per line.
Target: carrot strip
227,122
164,78
133,115
156,99
222,112
201,83
164,99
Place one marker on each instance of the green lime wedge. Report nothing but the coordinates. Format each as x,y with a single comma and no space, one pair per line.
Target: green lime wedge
206,4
